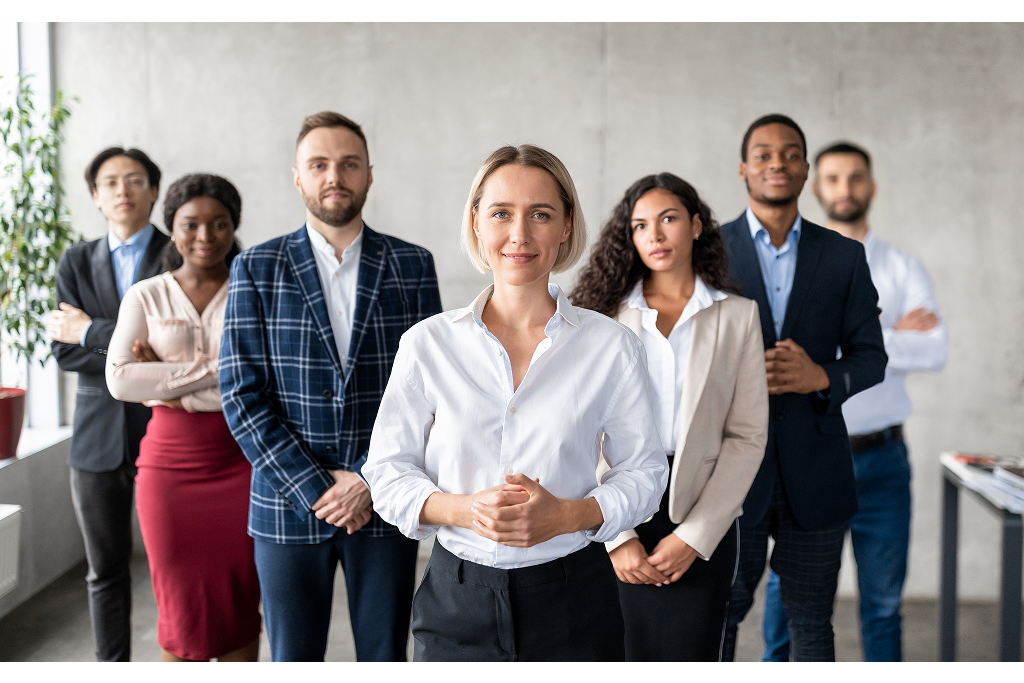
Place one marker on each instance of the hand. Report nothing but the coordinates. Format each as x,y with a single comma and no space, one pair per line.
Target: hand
170,402
144,353
66,325
918,320
346,503
672,557
540,518
631,564
791,370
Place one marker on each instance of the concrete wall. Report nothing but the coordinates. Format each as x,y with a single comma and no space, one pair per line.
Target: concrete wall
939,106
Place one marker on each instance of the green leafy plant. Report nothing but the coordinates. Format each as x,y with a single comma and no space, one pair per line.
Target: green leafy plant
34,225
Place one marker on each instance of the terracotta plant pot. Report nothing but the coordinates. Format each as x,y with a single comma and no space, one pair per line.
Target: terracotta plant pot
12,418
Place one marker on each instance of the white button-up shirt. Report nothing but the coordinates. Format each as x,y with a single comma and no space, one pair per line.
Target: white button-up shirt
903,285
667,356
338,280
450,421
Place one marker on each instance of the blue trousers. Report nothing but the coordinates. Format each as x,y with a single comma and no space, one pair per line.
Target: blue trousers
297,588
880,532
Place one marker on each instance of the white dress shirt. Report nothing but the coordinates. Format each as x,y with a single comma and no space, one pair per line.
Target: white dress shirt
667,357
451,422
903,285
338,280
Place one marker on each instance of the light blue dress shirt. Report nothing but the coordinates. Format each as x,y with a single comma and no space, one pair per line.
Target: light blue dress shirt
126,258
777,266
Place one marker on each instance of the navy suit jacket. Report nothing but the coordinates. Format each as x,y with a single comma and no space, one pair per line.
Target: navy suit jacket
107,431
833,306
293,408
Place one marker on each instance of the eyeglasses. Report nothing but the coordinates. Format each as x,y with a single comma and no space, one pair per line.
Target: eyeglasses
134,181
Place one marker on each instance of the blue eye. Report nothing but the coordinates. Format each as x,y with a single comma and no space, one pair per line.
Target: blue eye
638,226
499,214
541,215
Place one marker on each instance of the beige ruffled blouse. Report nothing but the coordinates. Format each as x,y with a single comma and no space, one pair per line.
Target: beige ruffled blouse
157,311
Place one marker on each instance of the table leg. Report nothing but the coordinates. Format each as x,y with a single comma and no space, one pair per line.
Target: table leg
947,581
1010,591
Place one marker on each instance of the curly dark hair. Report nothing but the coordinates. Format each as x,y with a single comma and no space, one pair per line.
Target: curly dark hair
187,188
615,266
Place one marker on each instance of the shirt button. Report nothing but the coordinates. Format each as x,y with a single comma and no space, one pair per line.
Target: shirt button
512,409
508,472
328,393
777,288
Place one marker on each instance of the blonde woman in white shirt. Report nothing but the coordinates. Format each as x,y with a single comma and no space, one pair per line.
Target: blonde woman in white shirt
488,434
192,486
660,268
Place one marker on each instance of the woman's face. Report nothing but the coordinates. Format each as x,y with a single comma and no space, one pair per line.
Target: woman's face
203,232
663,232
521,223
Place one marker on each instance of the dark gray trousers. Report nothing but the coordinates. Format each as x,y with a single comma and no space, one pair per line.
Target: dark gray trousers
103,506
565,610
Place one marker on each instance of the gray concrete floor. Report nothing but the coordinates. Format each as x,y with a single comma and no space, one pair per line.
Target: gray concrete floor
54,625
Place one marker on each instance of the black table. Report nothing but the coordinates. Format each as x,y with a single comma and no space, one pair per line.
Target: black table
1012,558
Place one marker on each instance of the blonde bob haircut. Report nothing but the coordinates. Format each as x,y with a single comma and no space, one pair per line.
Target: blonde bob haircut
570,251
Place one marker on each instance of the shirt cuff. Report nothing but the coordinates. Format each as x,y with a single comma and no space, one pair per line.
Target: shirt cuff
613,518
85,331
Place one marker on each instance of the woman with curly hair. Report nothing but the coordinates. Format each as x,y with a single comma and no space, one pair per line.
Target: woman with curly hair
193,480
659,267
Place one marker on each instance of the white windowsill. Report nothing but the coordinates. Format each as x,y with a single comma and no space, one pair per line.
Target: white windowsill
38,439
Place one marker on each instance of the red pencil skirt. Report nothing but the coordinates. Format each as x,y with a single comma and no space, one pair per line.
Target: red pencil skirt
192,491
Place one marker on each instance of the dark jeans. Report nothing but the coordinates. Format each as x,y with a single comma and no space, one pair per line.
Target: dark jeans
682,621
297,587
565,610
808,564
103,506
880,532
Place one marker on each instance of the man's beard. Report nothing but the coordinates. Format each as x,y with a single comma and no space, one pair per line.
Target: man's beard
853,214
771,201
339,215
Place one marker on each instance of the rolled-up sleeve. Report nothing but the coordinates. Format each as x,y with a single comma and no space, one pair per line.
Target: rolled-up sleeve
631,490
395,468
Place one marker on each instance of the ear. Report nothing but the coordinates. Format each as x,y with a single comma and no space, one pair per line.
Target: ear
154,192
568,228
369,177
295,179
476,223
96,198
816,187
874,189
697,225
743,170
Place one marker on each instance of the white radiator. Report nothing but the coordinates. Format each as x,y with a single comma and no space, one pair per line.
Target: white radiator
10,533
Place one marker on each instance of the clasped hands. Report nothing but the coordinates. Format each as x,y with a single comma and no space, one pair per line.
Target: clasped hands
519,513
791,370
346,503
666,564
66,324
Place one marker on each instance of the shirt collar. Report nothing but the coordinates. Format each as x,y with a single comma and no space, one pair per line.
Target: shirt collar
140,239
563,309
703,296
320,244
756,228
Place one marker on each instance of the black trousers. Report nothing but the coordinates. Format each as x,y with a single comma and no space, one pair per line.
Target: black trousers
563,610
682,621
103,506
807,563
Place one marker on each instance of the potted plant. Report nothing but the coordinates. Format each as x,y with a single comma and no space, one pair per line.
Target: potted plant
34,232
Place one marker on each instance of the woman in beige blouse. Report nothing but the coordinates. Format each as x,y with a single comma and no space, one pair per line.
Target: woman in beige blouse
659,268
193,480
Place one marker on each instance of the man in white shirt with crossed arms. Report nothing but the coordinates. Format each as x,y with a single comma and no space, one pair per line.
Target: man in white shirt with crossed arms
915,339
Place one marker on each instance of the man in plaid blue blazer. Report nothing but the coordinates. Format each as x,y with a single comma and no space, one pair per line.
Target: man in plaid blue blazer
311,330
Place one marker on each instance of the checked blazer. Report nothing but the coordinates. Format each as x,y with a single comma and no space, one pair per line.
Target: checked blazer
290,404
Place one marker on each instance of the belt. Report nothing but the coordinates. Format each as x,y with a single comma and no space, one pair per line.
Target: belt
866,442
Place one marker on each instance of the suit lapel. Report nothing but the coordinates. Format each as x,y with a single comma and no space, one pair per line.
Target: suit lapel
300,255
703,340
807,254
152,260
744,255
371,274
103,279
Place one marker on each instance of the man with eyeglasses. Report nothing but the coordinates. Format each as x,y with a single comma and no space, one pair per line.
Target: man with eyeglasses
91,280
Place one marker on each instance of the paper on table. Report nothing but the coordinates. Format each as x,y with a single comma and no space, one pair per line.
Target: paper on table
999,493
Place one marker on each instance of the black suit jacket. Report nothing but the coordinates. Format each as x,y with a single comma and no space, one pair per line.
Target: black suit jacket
106,430
833,306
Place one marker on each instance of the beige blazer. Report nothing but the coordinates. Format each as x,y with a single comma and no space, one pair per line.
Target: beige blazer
723,422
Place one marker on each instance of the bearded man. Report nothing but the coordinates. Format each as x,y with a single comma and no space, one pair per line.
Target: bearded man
311,331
